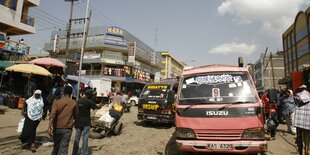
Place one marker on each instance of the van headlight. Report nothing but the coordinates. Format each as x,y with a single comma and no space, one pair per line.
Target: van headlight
185,133
253,133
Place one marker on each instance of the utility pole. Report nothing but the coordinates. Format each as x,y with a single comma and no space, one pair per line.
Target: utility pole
68,64
263,69
272,72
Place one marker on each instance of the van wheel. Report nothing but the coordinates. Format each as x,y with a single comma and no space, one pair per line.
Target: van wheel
117,129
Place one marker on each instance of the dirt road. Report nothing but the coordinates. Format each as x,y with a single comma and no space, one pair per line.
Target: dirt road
135,139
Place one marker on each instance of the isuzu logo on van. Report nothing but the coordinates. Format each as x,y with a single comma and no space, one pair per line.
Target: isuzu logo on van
216,113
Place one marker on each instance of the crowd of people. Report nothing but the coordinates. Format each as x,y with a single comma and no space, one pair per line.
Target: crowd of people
293,109
64,112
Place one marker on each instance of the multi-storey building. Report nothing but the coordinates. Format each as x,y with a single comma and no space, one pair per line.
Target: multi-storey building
110,52
268,70
14,20
172,66
296,42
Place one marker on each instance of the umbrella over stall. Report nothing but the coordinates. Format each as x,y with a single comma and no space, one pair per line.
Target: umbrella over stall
52,65
47,62
30,69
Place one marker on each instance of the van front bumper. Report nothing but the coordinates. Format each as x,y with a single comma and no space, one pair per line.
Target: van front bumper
240,147
159,118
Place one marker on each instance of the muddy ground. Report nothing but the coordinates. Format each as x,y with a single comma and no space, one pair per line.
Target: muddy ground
136,138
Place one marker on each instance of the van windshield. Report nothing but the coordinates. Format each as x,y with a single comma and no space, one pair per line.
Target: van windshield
155,91
217,88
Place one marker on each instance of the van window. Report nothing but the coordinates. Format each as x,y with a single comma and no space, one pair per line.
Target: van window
217,88
155,91
2,38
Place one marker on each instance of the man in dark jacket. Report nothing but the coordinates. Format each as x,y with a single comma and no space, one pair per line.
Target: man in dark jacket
83,121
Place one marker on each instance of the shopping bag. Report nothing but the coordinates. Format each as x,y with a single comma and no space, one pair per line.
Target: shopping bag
20,125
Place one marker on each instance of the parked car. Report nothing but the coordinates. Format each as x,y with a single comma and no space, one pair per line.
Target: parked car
133,100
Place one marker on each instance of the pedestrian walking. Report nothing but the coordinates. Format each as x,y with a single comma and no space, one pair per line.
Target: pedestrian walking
29,88
281,97
265,101
272,123
63,114
289,105
33,112
83,122
54,94
302,121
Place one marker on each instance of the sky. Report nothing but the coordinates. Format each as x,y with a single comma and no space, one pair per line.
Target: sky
197,32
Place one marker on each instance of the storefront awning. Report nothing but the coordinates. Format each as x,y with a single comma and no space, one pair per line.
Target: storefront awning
5,64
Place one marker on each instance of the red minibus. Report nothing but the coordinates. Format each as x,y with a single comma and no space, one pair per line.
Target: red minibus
218,110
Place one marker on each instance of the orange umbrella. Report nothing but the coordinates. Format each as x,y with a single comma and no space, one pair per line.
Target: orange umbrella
47,62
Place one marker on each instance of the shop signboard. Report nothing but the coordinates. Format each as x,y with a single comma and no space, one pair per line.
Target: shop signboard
153,58
115,36
91,55
111,61
131,53
16,47
56,44
115,42
113,30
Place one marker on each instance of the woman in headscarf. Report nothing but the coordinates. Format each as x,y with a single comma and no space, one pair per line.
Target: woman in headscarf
33,112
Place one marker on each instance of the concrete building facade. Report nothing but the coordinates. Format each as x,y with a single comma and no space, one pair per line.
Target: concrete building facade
110,52
172,66
14,20
268,70
296,42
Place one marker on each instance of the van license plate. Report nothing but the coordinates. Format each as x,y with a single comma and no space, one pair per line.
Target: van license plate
151,117
150,106
219,146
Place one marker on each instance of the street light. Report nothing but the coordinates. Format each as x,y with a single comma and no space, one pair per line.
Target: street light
82,50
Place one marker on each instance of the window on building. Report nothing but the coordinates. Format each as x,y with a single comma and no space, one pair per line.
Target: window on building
302,50
288,43
9,3
301,34
113,55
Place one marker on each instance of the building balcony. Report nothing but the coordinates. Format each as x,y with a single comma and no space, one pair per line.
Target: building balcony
15,22
33,2
28,21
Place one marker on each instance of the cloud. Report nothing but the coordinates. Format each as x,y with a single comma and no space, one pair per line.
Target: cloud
275,15
228,48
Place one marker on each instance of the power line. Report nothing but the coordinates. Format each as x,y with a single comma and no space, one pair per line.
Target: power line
62,20
44,24
97,12
45,21
50,18
80,6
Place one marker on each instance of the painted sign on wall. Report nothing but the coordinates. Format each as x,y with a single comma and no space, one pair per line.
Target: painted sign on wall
131,53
